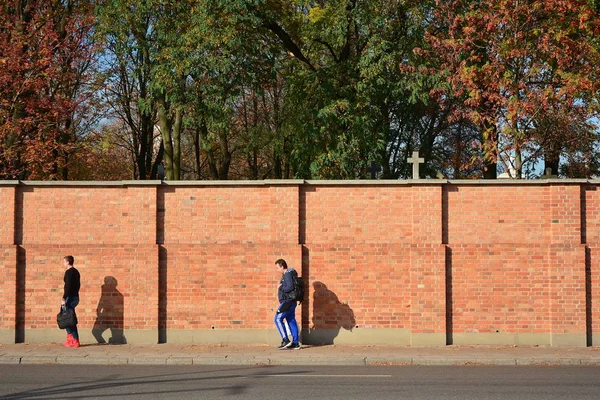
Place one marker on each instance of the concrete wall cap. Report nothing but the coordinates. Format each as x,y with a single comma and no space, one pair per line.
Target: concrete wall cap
89,183
312,182
9,183
266,182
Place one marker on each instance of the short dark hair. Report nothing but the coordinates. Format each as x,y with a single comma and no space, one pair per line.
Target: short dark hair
70,259
281,263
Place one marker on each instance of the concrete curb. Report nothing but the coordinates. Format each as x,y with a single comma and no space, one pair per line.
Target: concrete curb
316,360
249,355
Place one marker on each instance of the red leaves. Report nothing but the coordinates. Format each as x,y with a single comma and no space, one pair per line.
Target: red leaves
510,62
41,50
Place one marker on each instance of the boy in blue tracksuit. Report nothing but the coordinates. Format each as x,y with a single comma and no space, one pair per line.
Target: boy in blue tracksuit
287,307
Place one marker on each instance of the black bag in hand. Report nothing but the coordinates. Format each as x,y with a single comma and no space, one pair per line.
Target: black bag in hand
66,318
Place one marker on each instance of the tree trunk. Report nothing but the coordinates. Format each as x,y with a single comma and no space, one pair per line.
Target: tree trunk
159,158
197,151
146,149
552,157
176,134
208,153
277,170
518,163
165,130
224,144
490,151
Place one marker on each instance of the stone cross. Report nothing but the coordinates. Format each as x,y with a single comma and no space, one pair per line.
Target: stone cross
415,160
548,174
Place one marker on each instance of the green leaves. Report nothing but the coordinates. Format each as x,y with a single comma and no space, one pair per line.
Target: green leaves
313,89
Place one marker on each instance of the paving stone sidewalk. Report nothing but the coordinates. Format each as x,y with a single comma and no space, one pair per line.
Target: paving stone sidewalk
55,353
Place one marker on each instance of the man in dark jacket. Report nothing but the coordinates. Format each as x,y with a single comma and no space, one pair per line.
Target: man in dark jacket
287,307
70,298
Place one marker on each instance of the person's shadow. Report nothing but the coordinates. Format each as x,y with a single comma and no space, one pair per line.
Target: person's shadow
329,315
110,313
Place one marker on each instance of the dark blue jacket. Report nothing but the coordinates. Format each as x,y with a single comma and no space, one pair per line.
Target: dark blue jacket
286,285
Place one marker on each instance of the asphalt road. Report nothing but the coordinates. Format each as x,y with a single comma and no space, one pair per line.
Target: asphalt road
322,382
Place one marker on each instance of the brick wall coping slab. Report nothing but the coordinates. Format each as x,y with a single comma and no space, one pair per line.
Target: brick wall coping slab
9,183
424,182
266,182
492,182
287,182
88,183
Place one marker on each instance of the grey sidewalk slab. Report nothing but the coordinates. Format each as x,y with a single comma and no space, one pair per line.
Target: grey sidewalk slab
180,361
38,359
171,354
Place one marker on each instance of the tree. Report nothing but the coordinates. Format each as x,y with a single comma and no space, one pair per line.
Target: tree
512,61
344,83
128,33
103,157
148,45
228,63
45,54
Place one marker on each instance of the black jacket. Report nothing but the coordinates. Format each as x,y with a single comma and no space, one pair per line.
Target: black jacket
72,283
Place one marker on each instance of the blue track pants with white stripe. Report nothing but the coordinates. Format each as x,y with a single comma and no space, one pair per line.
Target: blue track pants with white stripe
290,317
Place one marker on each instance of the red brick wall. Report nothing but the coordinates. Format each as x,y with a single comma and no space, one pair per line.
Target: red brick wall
357,258
230,214
111,231
373,257
363,287
517,264
498,214
224,286
130,268
7,214
8,268
425,258
591,201
501,288
8,262
220,244
593,289
89,215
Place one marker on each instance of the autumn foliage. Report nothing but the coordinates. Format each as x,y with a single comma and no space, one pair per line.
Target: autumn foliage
238,89
525,72
44,51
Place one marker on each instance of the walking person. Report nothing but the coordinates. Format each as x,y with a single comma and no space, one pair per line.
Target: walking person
70,297
287,307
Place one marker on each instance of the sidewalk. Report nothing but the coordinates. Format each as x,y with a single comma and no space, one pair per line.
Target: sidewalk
172,354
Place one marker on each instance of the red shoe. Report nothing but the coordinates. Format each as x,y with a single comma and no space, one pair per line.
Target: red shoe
75,343
69,340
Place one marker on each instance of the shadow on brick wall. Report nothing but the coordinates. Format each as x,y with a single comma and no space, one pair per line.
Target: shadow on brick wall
449,298
110,313
20,295
162,294
329,315
588,296
21,268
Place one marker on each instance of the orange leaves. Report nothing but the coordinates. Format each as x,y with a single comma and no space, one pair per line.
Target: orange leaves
40,53
514,64
515,51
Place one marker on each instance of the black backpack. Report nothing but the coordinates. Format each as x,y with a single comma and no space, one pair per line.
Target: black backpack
298,293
